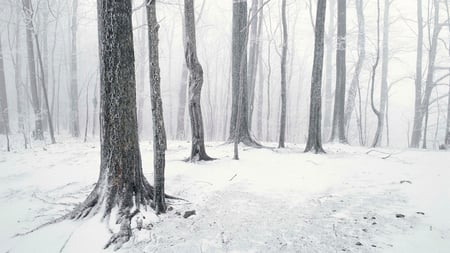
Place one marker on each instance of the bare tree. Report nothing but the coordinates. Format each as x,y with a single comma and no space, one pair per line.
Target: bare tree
374,70
4,117
159,132
384,77
314,143
198,151
74,119
121,186
329,69
254,54
354,86
338,127
239,57
281,140
28,14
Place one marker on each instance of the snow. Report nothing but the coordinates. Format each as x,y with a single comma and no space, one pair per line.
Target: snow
272,200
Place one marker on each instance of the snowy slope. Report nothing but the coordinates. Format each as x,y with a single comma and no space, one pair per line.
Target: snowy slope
270,201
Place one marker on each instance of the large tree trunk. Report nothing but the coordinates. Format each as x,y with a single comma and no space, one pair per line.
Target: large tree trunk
350,104
239,56
28,14
338,128
384,77
121,185
159,131
74,118
314,143
4,115
329,70
374,72
198,151
281,140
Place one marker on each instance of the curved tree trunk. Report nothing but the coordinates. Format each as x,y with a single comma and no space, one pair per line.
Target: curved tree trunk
198,151
314,143
281,140
121,185
350,103
374,71
338,127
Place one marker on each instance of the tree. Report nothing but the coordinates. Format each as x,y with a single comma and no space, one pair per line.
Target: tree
159,132
4,115
374,71
338,127
239,57
329,70
121,186
283,76
315,110
255,41
74,119
28,14
350,103
198,151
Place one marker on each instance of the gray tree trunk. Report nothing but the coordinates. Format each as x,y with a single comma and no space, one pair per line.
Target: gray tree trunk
384,77
447,134
28,15
255,41
159,131
74,118
374,72
314,142
121,185
198,151
239,56
329,70
350,103
281,140
181,133
338,127
4,115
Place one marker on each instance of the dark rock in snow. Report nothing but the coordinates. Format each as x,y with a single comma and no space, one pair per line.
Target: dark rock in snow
358,244
421,213
169,208
405,181
399,215
188,214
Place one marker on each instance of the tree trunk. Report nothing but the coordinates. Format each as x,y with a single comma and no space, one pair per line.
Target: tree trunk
255,41
198,151
281,140
159,132
314,143
4,115
374,72
239,56
28,14
44,91
74,118
121,185
181,133
338,128
384,77
350,104
447,135
329,70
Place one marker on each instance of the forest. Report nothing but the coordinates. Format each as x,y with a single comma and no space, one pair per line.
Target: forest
224,126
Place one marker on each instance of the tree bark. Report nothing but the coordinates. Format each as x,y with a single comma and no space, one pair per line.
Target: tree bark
374,72
338,127
281,140
384,77
314,142
198,151
329,70
74,118
28,14
4,114
239,56
121,185
350,103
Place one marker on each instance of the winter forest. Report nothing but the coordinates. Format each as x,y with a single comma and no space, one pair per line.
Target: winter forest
224,126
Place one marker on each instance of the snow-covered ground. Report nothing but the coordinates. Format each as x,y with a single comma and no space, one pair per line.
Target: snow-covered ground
271,200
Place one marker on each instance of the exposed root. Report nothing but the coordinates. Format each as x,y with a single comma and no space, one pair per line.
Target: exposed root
54,221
